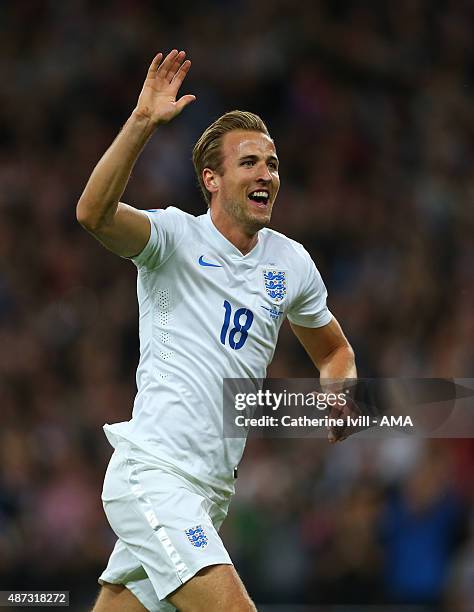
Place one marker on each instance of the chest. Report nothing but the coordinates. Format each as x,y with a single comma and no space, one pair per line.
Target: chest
266,284
230,298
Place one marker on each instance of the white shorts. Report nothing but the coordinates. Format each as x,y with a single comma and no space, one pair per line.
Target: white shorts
166,525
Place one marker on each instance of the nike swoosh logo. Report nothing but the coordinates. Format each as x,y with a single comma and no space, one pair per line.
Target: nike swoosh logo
206,263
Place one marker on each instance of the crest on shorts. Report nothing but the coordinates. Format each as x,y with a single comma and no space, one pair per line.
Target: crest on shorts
275,284
197,536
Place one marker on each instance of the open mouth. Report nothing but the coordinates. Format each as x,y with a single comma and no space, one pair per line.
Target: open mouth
260,197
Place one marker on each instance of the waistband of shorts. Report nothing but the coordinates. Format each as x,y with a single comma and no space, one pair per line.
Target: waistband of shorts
127,448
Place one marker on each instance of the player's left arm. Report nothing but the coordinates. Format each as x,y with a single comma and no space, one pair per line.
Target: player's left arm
329,350
332,354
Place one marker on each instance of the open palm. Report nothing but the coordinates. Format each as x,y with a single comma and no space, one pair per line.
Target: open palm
157,101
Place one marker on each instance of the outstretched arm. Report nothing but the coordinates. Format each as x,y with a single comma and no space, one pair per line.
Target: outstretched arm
122,228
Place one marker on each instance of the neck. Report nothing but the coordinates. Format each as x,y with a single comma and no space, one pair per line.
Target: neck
242,238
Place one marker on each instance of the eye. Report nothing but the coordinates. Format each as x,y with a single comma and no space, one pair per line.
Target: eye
248,163
273,165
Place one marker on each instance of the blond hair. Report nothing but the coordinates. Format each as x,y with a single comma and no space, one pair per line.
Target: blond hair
207,152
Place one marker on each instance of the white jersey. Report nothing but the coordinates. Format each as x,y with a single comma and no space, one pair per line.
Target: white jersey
207,312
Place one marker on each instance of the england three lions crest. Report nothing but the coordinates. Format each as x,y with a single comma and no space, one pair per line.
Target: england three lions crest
197,536
275,284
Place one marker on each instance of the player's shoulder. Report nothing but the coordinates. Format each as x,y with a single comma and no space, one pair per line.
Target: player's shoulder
169,211
171,220
280,243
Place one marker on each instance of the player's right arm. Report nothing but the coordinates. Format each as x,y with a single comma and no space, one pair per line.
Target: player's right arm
122,228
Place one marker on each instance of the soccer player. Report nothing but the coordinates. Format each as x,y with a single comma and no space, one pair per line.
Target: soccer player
213,291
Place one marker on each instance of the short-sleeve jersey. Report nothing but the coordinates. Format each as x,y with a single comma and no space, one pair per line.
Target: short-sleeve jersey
208,312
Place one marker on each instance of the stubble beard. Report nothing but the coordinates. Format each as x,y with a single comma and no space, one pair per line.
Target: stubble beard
250,223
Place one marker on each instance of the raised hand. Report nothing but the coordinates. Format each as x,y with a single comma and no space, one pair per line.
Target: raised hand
157,101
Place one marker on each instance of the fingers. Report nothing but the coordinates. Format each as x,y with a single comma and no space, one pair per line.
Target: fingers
175,66
338,433
154,64
349,413
167,63
184,101
334,432
179,76
172,70
164,78
171,65
162,68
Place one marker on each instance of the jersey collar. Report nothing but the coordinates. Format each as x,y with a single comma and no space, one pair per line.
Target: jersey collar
225,246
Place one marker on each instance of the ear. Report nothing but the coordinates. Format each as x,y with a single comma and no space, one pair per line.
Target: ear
210,180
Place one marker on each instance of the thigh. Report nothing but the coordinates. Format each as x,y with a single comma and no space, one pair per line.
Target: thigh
213,589
124,569
114,598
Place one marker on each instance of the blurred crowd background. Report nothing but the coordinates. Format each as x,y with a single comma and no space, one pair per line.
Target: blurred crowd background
371,107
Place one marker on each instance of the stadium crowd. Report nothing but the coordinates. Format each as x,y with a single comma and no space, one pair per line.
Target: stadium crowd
370,105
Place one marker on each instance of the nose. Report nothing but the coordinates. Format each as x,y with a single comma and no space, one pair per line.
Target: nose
264,174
